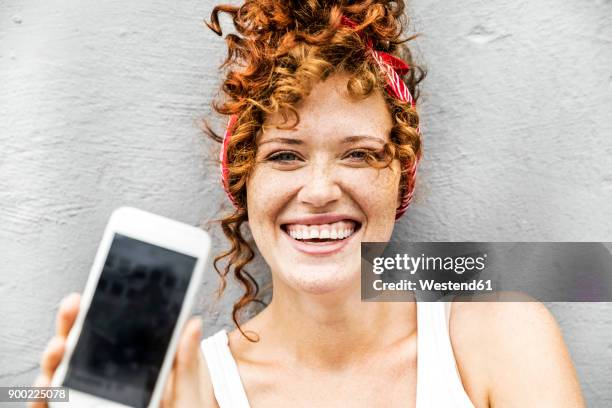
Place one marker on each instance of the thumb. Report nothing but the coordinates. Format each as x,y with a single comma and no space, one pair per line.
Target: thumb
187,363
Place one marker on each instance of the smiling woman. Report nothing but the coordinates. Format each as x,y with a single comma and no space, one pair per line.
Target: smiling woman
319,155
323,84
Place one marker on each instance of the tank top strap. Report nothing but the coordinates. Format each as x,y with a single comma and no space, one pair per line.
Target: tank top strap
224,375
438,380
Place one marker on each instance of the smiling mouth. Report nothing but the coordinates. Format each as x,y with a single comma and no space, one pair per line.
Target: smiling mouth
322,233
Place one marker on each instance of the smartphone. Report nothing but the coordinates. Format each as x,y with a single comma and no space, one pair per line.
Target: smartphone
137,299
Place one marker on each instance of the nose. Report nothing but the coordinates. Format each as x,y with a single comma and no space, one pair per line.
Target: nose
320,189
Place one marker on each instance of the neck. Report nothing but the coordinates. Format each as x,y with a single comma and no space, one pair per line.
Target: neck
331,329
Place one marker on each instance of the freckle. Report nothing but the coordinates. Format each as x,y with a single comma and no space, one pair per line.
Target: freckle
17,19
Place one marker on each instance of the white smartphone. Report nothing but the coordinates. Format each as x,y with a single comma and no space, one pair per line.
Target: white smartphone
137,299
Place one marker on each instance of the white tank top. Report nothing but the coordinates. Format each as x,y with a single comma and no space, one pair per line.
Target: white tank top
438,380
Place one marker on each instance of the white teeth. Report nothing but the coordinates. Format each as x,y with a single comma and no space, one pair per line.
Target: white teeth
314,232
337,230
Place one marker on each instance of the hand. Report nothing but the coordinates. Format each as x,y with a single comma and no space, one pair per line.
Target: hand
183,386
52,356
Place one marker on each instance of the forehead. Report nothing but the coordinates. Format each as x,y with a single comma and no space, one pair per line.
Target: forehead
330,113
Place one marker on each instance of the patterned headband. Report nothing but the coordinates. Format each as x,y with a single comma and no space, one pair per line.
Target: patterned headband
393,68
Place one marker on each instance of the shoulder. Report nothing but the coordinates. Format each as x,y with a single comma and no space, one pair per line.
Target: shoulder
496,316
502,328
511,351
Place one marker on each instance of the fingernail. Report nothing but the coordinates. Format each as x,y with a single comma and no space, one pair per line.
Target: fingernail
56,343
199,328
74,297
66,301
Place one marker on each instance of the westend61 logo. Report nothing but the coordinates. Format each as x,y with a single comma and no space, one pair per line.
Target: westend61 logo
413,264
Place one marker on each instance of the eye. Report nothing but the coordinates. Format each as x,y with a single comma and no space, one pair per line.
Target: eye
361,154
282,157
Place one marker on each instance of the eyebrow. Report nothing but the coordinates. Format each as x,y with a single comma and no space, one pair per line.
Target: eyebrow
346,140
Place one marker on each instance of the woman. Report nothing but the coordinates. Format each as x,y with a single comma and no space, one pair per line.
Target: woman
320,154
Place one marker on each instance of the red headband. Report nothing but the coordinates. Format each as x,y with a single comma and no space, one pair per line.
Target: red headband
393,68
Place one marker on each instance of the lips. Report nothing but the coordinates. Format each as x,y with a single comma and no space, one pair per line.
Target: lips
321,234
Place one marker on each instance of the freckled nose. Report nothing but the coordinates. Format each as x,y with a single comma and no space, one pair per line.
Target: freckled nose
320,188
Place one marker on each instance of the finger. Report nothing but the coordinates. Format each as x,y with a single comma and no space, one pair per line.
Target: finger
52,356
187,358
40,404
69,307
41,381
168,396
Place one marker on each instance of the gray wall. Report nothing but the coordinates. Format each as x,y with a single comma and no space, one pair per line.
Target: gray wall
99,103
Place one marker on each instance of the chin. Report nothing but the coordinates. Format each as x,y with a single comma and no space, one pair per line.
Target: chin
321,279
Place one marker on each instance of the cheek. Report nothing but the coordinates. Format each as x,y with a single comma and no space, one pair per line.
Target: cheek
266,196
376,192
377,189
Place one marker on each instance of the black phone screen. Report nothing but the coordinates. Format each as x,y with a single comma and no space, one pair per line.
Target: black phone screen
130,321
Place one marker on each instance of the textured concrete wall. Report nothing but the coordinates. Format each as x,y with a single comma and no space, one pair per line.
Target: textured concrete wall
99,103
